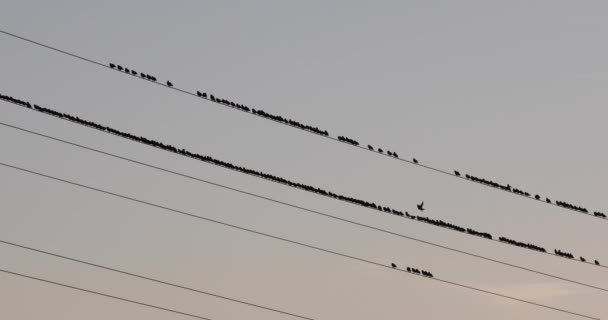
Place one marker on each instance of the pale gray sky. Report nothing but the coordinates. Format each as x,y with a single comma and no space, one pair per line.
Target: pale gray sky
509,90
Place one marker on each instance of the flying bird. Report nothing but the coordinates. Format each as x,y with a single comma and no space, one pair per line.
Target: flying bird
393,265
420,206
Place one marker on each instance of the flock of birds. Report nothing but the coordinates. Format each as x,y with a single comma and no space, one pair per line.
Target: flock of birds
415,271
522,244
351,141
309,188
571,256
227,102
258,112
527,194
135,73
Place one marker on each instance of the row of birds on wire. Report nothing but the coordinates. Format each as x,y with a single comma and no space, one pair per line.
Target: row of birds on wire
415,271
351,141
267,176
571,256
527,194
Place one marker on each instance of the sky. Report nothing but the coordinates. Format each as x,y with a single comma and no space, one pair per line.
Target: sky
513,91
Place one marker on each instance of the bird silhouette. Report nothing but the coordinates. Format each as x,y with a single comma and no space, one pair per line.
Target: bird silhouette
457,173
597,262
415,161
393,265
169,83
420,206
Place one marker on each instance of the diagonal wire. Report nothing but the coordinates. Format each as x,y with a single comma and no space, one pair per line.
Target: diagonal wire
150,279
105,295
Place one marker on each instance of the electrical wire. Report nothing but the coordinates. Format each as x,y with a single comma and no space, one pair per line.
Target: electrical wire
107,295
131,274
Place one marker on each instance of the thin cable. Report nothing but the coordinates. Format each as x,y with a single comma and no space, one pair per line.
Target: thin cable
111,296
261,177
150,279
286,124
303,208
284,239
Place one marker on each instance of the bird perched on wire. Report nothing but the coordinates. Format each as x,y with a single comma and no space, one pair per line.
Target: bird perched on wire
393,265
169,84
420,206
415,161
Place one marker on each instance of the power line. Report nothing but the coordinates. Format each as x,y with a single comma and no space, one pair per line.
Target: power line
151,279
115,297
287,124
169,148
285,239
427,167
303,208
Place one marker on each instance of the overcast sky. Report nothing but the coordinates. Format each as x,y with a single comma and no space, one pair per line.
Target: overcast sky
514,91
